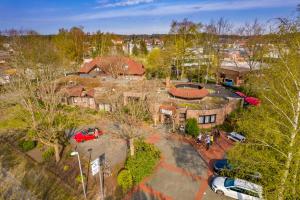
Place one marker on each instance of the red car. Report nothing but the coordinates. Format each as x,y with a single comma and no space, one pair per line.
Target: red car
87,134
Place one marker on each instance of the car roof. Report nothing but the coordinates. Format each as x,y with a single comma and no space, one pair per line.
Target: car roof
248,185
237,135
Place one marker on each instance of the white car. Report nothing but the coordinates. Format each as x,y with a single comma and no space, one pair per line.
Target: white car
236,188
237,137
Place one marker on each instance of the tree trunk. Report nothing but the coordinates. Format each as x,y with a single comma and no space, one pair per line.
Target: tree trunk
294,190
131,146
57,148
290,153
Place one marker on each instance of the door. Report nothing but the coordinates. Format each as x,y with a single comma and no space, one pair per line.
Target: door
232,192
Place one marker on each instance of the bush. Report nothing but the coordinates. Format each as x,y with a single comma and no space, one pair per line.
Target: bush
27,145
66,167
48,154
125,180
143,162
78,178
191,127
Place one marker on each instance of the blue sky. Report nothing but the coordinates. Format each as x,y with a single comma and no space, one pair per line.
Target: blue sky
133,16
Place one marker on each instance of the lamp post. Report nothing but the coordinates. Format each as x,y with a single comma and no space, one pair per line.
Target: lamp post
74,153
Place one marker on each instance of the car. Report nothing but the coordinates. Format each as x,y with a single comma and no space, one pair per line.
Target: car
221,166
87,134
237,137
225,168
236,188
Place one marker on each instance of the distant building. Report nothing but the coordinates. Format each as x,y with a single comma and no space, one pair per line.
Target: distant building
233,73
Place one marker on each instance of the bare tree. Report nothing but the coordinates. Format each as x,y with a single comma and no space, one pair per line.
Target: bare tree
130,117
213,32
255,47
36,91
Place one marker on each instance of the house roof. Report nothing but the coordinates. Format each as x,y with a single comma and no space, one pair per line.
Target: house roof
78,91
104,63
188,93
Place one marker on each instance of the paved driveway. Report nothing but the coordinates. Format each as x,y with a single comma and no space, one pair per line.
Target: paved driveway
115,149
183,172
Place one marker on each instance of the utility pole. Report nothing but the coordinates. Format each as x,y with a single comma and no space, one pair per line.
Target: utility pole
74,153
101,186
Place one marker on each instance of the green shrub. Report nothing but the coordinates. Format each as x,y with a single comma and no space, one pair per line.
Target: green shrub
27,145
48,154
191,127
78,178
143,162
125,180
66,167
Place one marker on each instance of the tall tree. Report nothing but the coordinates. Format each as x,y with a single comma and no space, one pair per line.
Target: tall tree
36,90
130,116
255,46
273,129
135,50
182,35
211,42
143,47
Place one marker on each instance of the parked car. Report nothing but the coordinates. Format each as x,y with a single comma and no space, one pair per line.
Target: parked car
224,168
87,134
236,188
221,166
237,137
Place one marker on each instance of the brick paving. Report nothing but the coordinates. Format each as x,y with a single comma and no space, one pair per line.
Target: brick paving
184,170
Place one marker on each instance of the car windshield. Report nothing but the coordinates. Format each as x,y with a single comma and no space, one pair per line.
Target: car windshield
84,132
229,182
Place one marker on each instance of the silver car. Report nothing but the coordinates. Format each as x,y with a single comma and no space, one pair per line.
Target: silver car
237,137
236,188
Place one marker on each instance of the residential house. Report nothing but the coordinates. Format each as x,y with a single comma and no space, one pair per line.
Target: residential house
79,96
113,66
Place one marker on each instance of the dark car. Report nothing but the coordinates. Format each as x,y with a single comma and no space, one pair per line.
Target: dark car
224,168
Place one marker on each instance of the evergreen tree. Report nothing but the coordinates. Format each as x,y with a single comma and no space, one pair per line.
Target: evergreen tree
143,47
135,50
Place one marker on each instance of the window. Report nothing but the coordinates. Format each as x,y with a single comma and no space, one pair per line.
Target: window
236,189
201,119
251,193
182,115
207,119
229,182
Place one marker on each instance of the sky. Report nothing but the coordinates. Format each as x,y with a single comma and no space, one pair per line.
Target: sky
134,16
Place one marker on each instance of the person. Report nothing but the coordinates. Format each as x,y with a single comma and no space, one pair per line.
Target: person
207,141
199,138
218,133
96,133
211,139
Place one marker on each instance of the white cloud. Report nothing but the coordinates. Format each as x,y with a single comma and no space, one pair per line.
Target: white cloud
160,9
107,3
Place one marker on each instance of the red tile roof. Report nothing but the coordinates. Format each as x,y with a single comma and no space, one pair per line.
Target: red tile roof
74,91
168,107
188,93
78,91
104,63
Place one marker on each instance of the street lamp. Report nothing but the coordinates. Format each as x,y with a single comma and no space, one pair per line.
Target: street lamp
74,153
